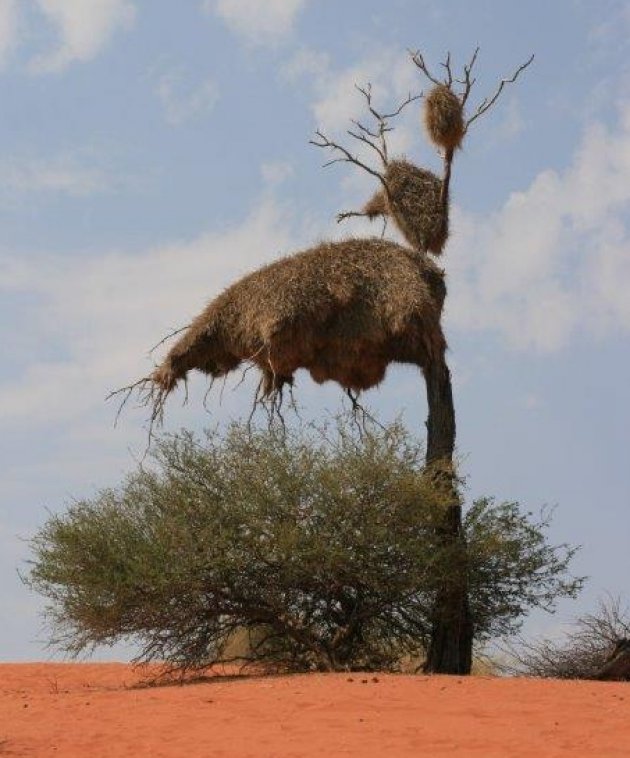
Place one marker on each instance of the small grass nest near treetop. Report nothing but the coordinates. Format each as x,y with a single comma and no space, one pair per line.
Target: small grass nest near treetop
414,201
341,310
444,118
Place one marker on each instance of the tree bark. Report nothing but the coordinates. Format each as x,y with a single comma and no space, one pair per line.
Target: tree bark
450,647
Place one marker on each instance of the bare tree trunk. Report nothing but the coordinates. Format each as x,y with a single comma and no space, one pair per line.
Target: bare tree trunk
450,648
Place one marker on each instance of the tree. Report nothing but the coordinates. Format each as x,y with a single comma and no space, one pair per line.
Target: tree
345,310
322,547
424,224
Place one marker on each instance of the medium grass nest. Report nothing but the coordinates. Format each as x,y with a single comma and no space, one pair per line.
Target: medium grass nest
414,201
444,118
341,310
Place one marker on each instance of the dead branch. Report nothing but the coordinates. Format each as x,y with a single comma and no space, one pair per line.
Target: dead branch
360,414
418,59
149,394
381,151
127,392
467,81
169,336
204,402
487,103
447,67
374,137
382,119
351,214
325,142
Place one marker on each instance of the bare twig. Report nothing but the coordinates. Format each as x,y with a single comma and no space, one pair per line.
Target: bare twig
382,119
204,402
351,214
382,151
467,81
325,142
223,383
127,391
244,375
375,137
418,59
357,409
150,394
170,335
488,102
447,67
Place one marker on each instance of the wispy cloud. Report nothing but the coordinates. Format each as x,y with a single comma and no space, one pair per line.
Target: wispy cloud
103,314
182,100
68,174
336,100
84,29
258,23
8,28
554,261
276,172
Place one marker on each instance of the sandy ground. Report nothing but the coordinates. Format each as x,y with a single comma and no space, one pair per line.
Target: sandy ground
93,710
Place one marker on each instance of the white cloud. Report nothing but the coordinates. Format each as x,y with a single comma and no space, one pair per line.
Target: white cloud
307,62
8,28
336,98
276,172
66,174
104,314
182,102
336,102
84,27
554,261
260,23
512,122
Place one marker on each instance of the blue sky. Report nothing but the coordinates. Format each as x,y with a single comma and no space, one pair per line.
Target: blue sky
151,152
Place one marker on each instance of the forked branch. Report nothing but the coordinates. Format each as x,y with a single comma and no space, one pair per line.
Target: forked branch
346,156
373,136
488,102
467,81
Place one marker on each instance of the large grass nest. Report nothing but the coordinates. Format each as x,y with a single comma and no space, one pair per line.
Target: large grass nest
444,118
414,201
341,310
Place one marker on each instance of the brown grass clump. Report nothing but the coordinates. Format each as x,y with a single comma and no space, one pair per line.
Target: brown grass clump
444,118
414,201
342,310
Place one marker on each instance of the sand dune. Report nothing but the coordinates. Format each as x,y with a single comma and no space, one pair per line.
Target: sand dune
93,710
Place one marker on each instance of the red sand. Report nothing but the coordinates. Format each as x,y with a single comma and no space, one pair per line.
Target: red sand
93,710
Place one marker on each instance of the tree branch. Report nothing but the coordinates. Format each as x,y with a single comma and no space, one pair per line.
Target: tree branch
325,142
418,59
372,136
351,214
487,103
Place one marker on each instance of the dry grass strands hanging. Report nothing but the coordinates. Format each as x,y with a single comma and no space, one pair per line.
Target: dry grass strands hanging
444,118
342,310
414,201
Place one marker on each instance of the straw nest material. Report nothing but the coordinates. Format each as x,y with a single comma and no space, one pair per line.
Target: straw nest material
414,201
341,310
444,118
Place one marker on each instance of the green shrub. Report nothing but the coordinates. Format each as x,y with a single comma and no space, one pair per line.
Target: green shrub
321,547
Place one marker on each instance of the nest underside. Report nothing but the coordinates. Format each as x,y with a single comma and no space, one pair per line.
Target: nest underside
414,201
342,310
